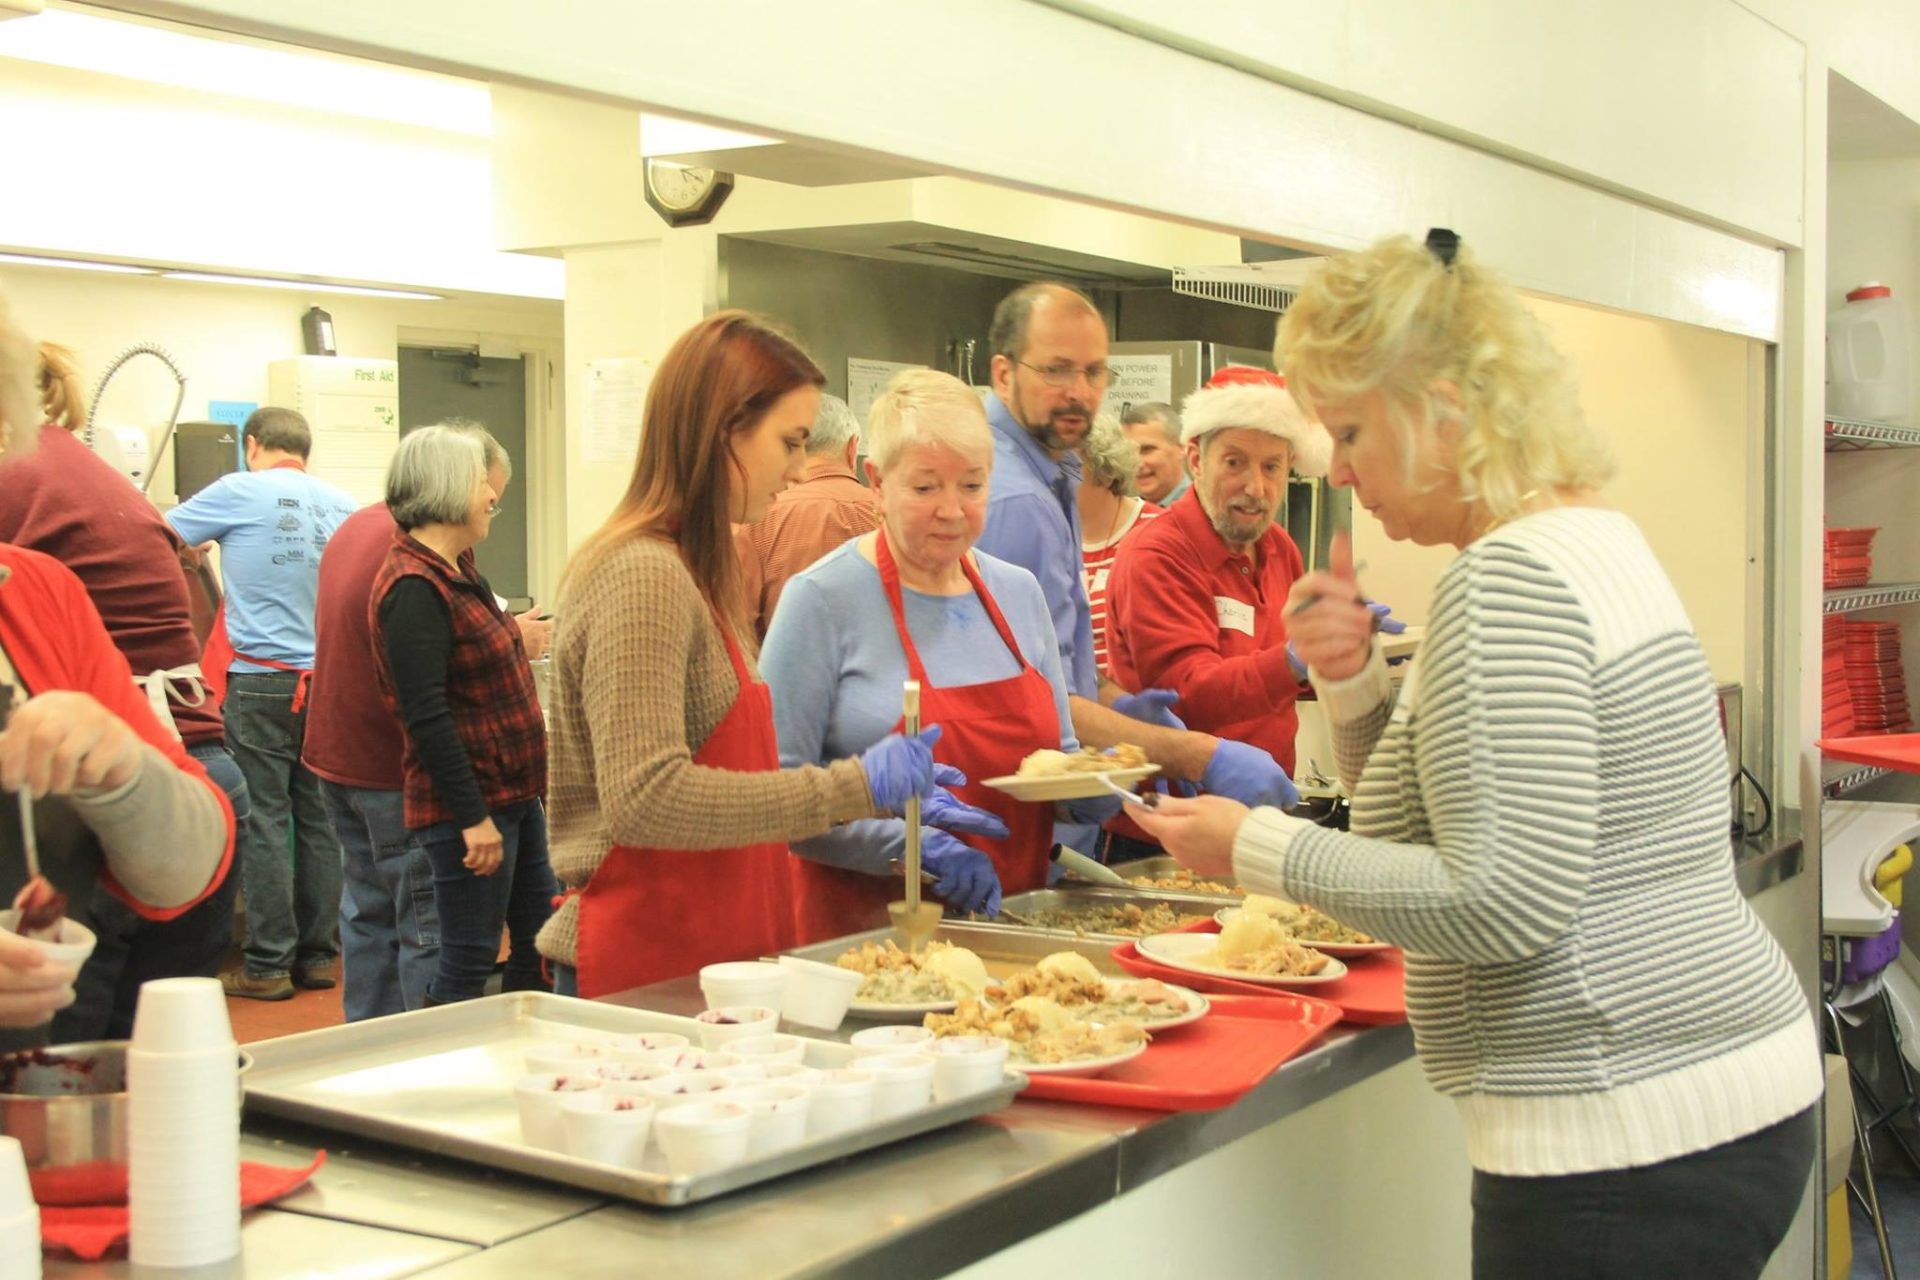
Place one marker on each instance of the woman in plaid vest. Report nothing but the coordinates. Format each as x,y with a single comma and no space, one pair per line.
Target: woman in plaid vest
453,670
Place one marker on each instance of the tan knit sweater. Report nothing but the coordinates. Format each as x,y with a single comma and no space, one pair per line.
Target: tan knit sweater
640,679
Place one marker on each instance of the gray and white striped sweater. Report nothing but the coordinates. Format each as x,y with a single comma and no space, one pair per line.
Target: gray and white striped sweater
1541,820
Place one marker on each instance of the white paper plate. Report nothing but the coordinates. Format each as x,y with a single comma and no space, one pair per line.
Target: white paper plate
876,1011
1083,1067
1197,1004
1227,915
1070,786
1179,949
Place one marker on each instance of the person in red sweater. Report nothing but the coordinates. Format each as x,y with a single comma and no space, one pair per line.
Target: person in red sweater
117,801
1195,599
62,499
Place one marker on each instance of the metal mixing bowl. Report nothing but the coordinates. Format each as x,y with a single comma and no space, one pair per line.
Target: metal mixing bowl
67,1104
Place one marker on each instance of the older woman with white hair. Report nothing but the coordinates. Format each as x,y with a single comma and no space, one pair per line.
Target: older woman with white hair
453,668
110,798
1110,510
1540,811
913,600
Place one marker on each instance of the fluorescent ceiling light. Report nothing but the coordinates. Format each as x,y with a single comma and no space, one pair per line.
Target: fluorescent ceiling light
263,282
669,136
286,75
76,264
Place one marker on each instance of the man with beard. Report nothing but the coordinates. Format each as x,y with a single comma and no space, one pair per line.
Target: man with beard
1196,600
1050,373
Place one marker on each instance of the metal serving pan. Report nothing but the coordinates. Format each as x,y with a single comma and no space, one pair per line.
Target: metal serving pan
1154,867
1094,899
441,1080
1001,948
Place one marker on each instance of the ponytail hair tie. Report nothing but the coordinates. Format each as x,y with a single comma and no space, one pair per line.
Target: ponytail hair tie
1443,244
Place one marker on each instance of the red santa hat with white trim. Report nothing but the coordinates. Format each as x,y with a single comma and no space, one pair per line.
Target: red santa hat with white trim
1256,400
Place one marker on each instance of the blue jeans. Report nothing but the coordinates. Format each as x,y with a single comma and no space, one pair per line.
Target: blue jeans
566,980
389,932
133,949
472,908
293,899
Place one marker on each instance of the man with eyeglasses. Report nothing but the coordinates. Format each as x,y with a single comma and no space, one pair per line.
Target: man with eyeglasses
1050,374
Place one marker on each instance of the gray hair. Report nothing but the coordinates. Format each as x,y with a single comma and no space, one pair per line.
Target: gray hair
433,475
283,429
495,455
833,426
1109,457
1007,335
1154,411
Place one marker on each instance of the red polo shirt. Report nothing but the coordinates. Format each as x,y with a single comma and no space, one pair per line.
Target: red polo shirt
1187,613
353,738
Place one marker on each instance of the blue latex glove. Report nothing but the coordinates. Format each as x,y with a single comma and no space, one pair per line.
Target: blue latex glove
964,878
1249,775
1381,622
898,767
1095,810
1150,706
1298,663
948,812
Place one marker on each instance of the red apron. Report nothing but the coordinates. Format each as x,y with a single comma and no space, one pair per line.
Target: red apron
986,731
651,914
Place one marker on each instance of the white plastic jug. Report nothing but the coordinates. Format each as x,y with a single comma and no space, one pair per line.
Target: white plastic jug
1869,357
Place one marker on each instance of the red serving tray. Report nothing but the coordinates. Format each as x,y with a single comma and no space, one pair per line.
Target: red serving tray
1206,1064
1897,751
1373,993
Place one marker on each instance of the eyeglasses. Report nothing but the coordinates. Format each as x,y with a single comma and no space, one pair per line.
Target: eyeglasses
493,508
1063,375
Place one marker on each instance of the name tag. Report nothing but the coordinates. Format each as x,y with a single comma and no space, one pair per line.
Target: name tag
1235,615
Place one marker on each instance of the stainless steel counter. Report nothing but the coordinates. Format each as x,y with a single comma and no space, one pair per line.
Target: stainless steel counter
924,1207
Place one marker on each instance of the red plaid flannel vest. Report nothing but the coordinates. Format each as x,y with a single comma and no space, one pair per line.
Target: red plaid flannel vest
489,687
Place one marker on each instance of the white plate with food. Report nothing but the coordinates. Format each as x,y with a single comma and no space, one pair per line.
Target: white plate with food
1069,786
1199,953
1194,1005
1372,946
1079,1066
903,987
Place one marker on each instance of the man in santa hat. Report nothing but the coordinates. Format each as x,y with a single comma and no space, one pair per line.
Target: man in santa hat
1195,600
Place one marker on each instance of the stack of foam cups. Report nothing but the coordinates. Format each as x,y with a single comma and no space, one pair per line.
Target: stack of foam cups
183,1126
19,1216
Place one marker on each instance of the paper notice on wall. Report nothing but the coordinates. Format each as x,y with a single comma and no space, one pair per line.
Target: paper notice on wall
614,398
866,379
1138,379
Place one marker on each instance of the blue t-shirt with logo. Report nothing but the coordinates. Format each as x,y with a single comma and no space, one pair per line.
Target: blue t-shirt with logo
271,526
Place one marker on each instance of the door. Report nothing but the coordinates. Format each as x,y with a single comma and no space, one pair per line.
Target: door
437,384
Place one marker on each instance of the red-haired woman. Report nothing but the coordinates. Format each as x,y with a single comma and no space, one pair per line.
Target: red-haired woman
670,812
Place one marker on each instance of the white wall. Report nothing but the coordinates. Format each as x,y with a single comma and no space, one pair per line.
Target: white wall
224,336
109,167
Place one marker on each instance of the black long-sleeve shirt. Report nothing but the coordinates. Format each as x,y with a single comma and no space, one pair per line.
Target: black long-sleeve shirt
417,634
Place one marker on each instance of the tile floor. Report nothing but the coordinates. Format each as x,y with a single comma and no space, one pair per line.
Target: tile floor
264,1019
1900,1206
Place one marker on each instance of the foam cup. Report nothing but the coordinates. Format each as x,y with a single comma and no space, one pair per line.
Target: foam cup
817,995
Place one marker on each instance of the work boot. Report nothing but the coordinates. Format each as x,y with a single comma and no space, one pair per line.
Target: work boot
314,977
238,982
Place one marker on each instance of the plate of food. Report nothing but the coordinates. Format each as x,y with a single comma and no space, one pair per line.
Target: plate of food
1304,924
1061,775
1251,949
1067,980
903,986
1043,1038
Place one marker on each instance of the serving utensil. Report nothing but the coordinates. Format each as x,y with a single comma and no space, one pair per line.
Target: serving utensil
915,919
1087,869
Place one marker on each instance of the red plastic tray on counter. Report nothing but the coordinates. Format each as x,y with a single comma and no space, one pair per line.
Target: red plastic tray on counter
1896,751
1373,993
1207,1064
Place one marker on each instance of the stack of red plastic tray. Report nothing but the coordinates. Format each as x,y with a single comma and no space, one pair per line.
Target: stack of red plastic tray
1876,679
1848,561
1836,697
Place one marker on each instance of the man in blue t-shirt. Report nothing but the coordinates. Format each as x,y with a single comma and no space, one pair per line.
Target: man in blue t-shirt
272,521
1050,372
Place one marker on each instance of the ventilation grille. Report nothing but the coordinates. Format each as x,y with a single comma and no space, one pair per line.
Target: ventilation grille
1225,284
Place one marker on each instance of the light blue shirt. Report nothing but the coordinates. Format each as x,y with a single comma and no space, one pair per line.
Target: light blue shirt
1186,483
1033,520
835,665
271,526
